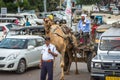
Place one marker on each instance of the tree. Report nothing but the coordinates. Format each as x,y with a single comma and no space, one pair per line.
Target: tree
86,2
2,4
11,7
7,1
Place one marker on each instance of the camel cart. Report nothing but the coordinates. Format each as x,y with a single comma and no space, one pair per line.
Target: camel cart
83,53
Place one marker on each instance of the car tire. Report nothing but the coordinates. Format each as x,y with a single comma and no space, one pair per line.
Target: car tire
21,66
94,78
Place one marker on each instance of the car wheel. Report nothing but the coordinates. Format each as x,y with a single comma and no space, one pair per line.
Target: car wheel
21,66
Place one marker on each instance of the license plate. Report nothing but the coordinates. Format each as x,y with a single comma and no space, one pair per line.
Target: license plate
112,78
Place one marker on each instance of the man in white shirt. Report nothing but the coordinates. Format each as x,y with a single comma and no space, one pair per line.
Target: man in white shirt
48,53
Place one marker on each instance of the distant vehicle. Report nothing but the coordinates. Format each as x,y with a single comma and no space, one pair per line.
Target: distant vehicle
95,9
115,11
77,15
59,16
43,15
118,5
36,19
30,19
4,29
21,18
7,19
17,53
104,9
32,30
112,5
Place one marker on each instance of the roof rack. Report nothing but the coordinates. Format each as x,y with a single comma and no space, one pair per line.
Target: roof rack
116,24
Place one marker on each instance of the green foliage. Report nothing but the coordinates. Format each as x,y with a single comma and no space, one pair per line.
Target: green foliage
26,4
87,2
37,5
11,7
2,4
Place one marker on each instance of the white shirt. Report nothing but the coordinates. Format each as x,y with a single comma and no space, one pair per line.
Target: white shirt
45,54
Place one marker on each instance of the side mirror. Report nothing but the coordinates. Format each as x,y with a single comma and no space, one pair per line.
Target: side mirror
30,47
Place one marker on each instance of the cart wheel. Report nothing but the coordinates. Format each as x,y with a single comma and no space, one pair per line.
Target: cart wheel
89,58
66,61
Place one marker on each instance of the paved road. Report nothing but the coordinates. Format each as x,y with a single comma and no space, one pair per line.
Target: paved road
33,73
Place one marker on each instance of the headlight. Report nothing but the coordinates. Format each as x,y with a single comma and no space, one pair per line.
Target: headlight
12,57
91,64
97,65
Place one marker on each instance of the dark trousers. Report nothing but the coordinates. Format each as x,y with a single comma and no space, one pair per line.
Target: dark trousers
86,37
47,67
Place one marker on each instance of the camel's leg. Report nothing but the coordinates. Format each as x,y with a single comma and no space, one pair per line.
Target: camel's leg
62,66
70,61
76,63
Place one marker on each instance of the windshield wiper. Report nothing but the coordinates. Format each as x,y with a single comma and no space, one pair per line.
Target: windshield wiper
112,48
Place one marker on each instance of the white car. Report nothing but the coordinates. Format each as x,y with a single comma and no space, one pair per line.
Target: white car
104,9
17,53
36,19
95,9
30,19
115,11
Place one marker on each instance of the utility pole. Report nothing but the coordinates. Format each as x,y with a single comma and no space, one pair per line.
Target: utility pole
45,9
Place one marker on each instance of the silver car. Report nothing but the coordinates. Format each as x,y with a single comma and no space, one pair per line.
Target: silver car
17,53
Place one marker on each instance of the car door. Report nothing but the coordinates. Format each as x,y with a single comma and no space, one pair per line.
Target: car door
31,53
40,42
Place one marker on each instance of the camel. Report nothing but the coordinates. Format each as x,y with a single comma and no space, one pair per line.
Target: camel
60,40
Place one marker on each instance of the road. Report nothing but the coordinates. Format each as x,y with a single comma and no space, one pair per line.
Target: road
34,73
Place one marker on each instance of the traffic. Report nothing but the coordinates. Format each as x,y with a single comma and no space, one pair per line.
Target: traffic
87,35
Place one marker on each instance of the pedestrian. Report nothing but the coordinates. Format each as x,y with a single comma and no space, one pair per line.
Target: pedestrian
16,22
48,52
84,28
27,23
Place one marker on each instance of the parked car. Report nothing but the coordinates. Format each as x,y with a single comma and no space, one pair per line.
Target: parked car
104,9
17,53
95,9
118,5
32,30
5,27
112,5
12,16
30,19
36,19
115,11
77,15
7,19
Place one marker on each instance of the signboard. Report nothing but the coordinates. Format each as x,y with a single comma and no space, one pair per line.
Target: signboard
3,10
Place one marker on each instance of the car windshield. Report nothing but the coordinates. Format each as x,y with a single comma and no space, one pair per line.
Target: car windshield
12,43
106,43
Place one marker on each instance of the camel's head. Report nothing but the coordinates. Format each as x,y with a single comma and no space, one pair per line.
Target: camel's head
47,23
